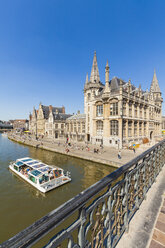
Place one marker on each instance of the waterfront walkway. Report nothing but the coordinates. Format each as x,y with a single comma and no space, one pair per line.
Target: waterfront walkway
147,227
105,155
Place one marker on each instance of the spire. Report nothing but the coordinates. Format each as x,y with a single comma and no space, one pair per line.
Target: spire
107,66
95,78
155,84
86,81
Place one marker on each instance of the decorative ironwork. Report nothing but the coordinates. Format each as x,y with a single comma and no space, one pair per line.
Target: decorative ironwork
104,210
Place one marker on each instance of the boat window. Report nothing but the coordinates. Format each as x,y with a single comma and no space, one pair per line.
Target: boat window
35,173
16,168
32,179
25,160
38,166
19,163
44,169
33,162
60,172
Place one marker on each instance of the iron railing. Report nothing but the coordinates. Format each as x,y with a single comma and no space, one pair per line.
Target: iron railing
104,210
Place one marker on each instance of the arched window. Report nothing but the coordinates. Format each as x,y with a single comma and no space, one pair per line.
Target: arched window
114,129
99,127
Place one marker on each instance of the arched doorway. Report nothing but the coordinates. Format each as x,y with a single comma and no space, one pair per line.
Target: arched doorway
151,135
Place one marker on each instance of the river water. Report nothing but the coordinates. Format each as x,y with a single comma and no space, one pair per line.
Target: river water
20,203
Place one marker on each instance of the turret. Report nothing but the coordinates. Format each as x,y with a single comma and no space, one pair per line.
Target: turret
107,77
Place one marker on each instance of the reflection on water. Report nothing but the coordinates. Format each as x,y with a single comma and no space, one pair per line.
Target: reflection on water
21,204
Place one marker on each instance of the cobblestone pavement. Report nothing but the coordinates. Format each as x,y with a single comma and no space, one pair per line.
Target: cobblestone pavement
105,155
158,237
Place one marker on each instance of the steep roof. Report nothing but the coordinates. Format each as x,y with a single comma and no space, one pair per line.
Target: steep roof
60,116
77,117
54,110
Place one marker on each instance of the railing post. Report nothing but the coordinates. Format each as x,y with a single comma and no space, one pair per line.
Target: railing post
109,205
81,232
146,177
126,217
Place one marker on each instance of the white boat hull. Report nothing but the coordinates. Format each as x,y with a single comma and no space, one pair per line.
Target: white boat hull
46,186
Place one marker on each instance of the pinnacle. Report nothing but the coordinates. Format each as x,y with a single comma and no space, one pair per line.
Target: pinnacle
95,78
155,84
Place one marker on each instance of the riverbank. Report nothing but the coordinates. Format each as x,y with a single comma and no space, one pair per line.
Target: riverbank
106,155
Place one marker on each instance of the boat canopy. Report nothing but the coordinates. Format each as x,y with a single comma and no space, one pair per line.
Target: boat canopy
38,168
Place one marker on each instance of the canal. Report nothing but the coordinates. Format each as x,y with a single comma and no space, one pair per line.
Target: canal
20,203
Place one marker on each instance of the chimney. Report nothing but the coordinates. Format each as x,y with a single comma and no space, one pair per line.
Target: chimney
50,108
63,109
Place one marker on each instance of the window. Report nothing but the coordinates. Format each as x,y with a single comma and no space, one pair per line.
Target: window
62,126
99,127
140,111
124,108
56,126
114,127
145,125
99,110
83,128
79,128
140,129
145,115
129,128
75,129
71,127
114,108
135,110
124,128
89,96
135,129
130,109
67,127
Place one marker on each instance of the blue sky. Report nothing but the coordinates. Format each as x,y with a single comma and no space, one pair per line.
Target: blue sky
47,47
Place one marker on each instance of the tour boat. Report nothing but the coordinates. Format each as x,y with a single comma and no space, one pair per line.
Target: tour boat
4,134
42,176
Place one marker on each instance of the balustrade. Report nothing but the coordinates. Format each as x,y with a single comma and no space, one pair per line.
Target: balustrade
103,211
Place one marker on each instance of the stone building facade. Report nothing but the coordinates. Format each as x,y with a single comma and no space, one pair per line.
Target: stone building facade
39,117
163,122
22,124
75,127
55,125
119,113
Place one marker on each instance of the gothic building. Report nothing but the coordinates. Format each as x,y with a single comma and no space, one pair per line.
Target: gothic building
117,112
39,117
55,125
